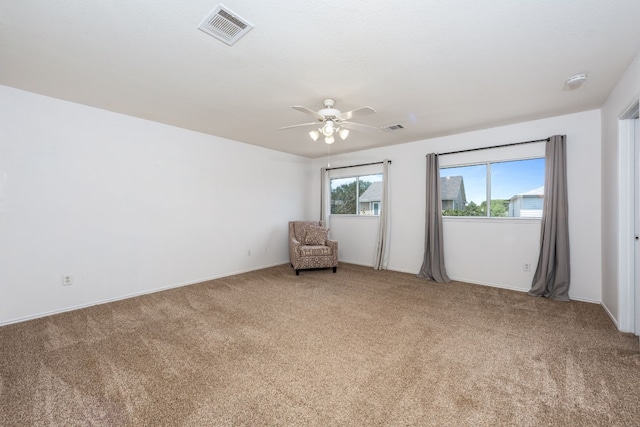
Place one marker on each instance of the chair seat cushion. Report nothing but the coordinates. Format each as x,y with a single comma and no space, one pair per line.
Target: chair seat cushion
315,250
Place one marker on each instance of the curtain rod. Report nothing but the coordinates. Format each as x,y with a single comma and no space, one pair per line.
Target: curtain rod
494,146
355,166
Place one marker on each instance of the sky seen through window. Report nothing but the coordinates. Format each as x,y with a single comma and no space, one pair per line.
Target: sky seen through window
507,178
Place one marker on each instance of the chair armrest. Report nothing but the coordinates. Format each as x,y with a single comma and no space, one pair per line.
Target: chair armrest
294,246
332,244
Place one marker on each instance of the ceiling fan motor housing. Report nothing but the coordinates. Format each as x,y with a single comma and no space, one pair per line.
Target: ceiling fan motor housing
328,111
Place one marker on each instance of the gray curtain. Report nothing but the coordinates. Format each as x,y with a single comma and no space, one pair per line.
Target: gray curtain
324,196
382,245
433,264
552,275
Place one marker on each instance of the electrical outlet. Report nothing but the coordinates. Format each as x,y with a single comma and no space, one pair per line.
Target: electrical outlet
526,267
248,252
67,279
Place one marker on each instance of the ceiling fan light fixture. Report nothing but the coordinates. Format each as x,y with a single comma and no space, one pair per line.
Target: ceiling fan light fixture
314,134
329,139
327,129
344,133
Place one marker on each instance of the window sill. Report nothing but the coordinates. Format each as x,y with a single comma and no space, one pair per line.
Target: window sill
343,216
494,219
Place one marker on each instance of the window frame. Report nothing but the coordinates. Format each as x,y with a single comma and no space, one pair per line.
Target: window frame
487,163
357,177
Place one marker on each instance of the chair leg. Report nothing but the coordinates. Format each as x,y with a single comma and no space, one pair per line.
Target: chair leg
334,269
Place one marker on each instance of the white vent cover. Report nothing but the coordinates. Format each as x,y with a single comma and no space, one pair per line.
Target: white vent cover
391,128
225,25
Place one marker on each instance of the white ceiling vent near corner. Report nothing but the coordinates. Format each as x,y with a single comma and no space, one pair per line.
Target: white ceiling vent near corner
225,25
394,127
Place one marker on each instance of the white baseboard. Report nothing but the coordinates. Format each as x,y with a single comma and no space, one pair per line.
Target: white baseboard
491,285
494,285
192,282
355,263
133,295
611,316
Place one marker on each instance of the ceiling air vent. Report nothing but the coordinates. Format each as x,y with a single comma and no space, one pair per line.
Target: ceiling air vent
225,25
391,128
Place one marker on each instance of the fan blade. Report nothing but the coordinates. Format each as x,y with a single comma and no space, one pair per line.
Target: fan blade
301,124
308,111
362,111
358,126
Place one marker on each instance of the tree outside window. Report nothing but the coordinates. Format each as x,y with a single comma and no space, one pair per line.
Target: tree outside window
346,195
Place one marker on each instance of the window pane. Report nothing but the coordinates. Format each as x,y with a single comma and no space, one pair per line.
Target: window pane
343,196
370,188
356,195
463,190
517,188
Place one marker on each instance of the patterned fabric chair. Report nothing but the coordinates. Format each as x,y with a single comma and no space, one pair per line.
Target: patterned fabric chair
310,248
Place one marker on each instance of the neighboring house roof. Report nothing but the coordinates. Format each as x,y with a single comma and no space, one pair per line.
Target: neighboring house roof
535,192
451,188
373,193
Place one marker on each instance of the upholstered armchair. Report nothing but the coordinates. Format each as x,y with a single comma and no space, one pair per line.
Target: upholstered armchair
309,247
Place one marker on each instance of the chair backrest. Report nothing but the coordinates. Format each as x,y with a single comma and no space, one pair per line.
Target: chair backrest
300,228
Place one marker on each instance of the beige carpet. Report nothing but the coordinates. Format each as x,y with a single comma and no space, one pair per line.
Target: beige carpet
355,348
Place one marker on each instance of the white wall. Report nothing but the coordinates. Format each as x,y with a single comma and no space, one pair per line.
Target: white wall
129,206
626,92
486,251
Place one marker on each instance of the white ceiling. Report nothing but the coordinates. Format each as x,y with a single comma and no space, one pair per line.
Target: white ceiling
436,66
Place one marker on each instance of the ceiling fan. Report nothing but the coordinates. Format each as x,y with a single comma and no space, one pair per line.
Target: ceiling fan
330,121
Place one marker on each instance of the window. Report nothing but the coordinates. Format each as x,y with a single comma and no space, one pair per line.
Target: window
356,195
515,189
